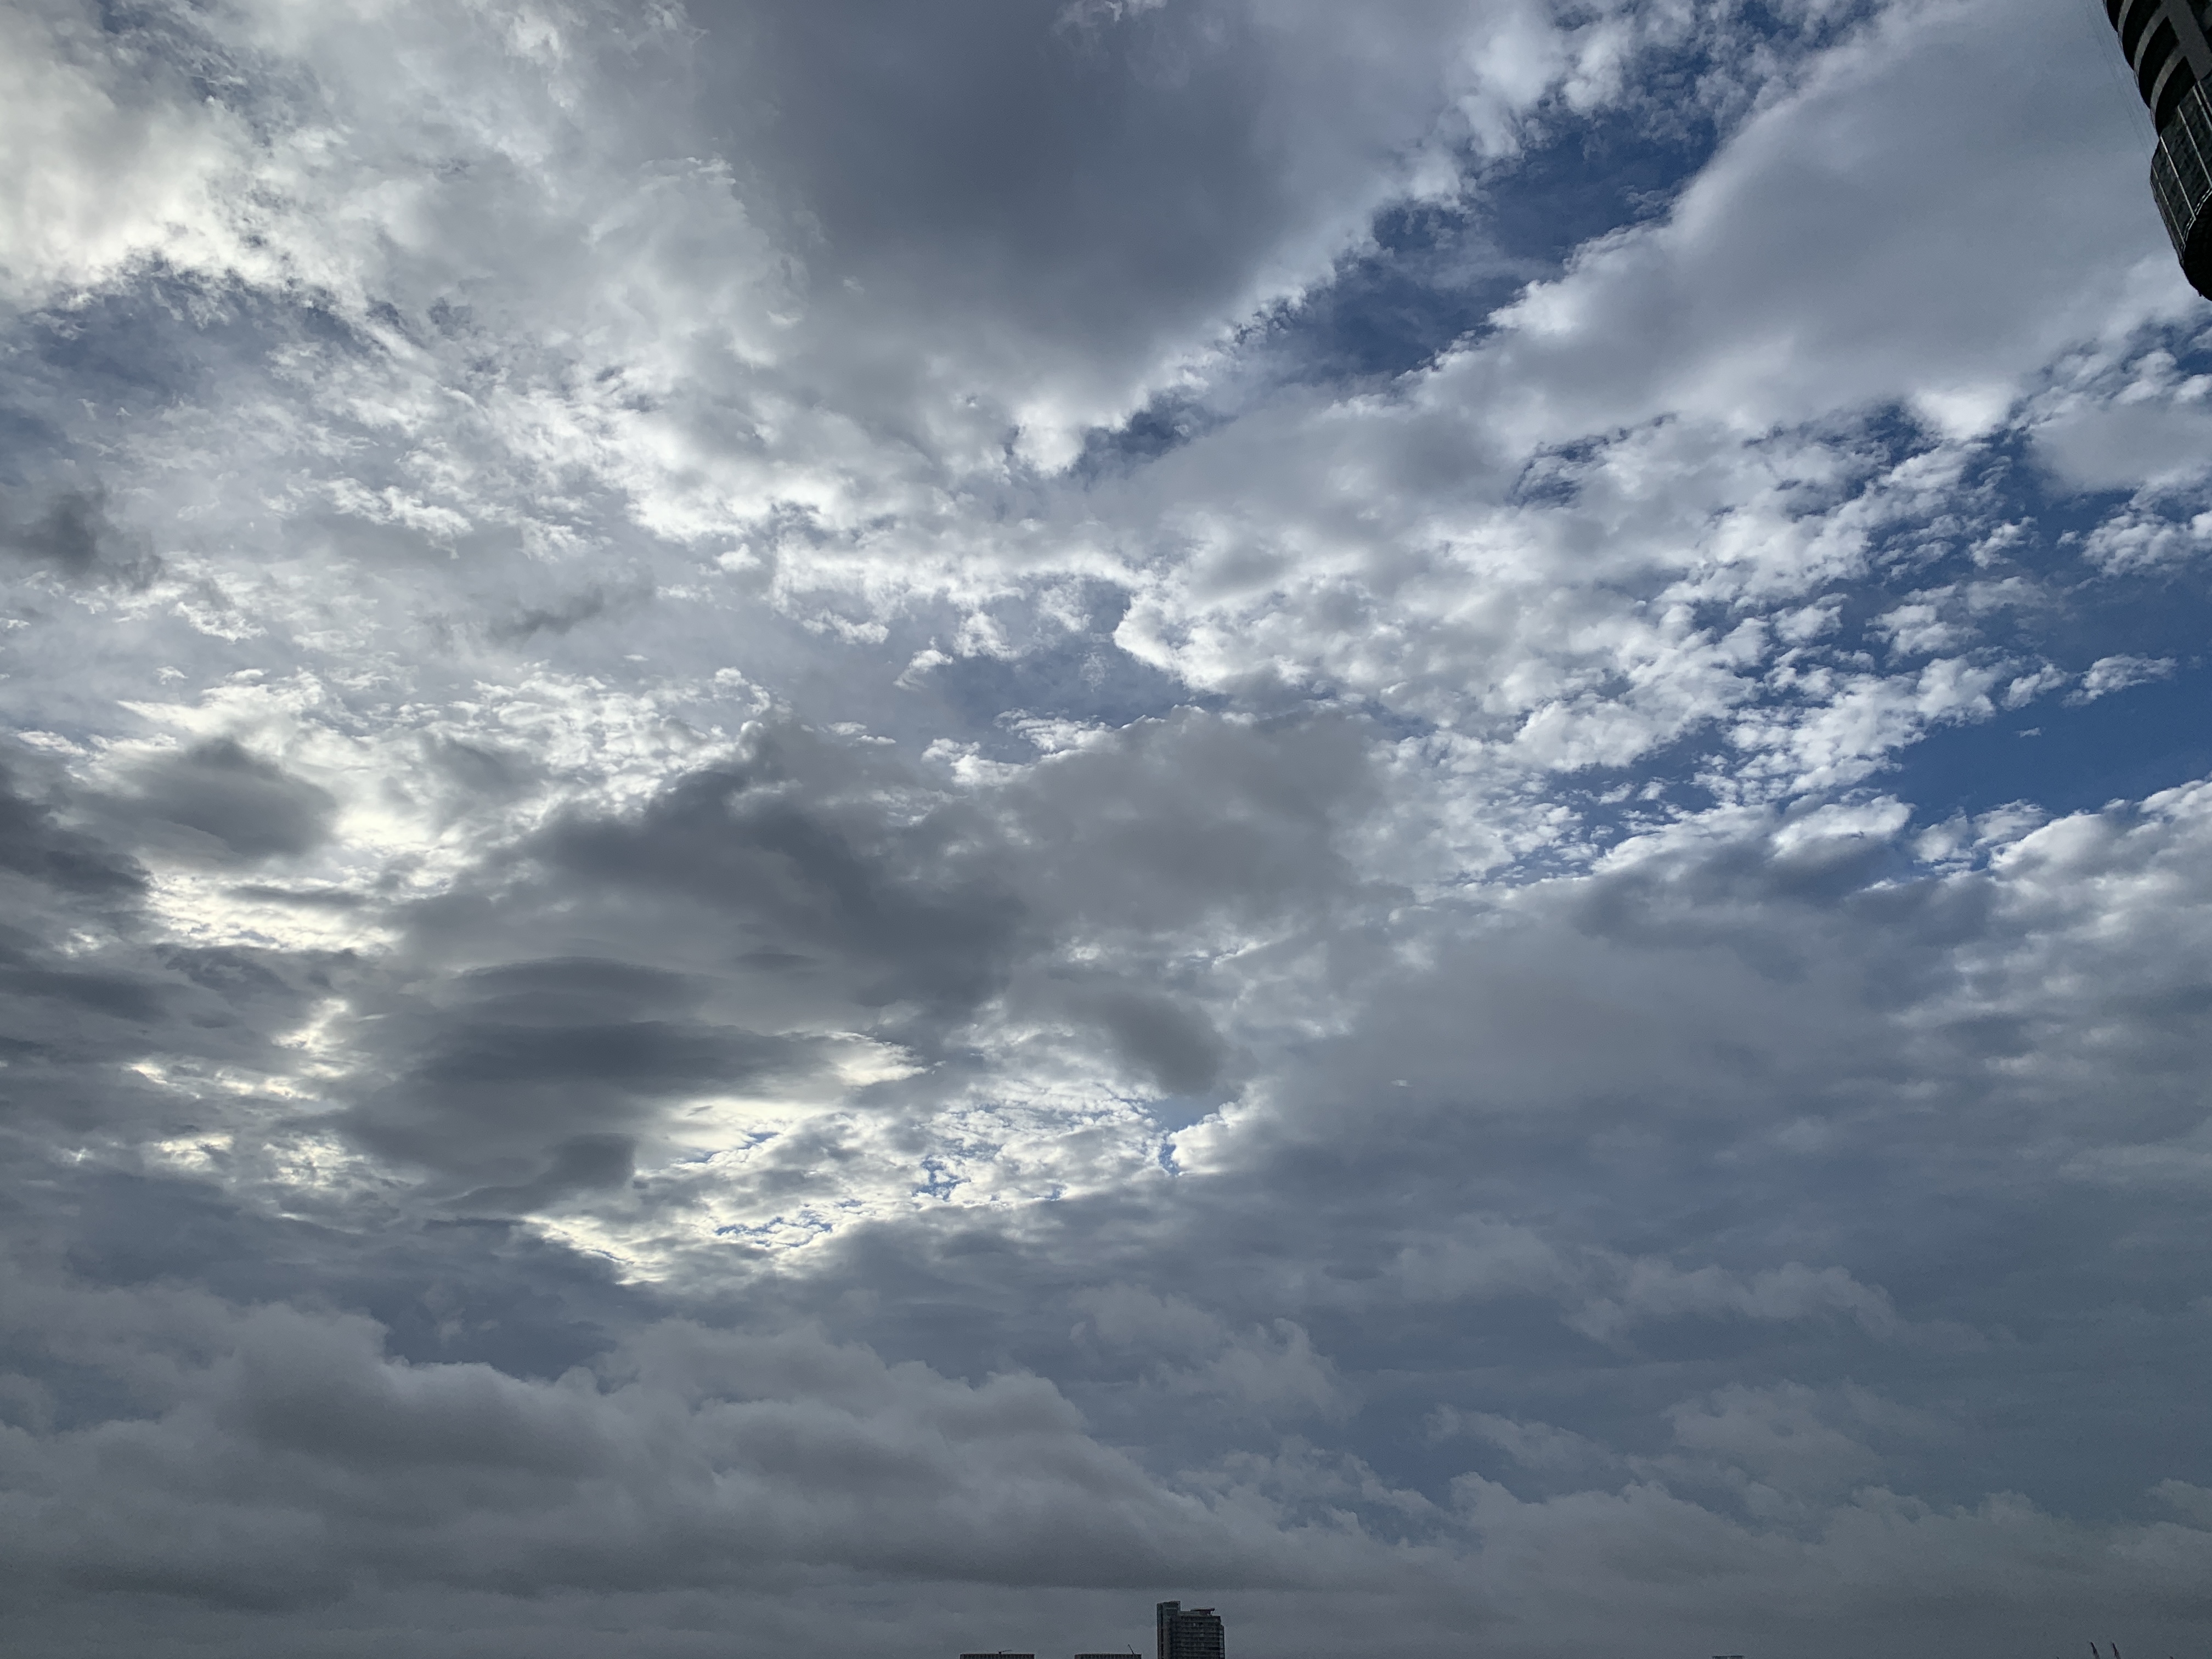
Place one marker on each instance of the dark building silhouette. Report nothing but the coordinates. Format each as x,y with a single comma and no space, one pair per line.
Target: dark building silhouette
1195,1634
2171,55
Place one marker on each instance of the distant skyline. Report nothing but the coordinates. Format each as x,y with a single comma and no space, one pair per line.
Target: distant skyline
875,825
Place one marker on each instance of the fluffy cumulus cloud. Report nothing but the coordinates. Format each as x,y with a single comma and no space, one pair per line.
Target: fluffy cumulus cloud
879,825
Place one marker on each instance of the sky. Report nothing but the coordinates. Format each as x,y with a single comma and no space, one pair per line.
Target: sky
867,826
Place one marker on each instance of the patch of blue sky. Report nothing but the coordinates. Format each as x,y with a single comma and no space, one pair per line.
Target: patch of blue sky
1072,671
2137,726
1432,275
2076,745
2065,756
2121,711
1169,420
1433,271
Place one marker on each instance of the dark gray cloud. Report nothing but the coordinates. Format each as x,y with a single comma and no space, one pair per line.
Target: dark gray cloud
72,535
616,968
35,845
562,615
1175,1043
809,888
98,1015
478,1079
1080,186
218,801
802,869
728,1458
993,143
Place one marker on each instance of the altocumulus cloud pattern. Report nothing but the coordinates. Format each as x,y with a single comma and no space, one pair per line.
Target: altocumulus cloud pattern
868,826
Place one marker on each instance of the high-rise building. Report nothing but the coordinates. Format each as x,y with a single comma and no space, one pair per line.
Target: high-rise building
2171,55
1188,1633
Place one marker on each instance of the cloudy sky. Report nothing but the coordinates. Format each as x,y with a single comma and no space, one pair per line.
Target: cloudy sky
866,825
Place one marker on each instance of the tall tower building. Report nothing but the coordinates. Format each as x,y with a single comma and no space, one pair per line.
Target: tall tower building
1193,1633
2171,55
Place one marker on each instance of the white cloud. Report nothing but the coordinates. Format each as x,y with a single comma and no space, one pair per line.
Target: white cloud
109,161
2109,674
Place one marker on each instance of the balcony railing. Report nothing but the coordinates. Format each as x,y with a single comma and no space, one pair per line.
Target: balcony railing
2181,172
